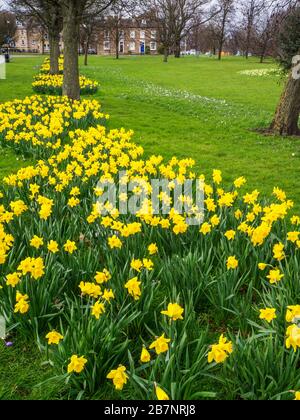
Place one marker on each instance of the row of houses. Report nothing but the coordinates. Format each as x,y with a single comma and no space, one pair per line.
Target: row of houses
134,38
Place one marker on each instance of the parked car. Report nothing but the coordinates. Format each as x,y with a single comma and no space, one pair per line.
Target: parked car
191,52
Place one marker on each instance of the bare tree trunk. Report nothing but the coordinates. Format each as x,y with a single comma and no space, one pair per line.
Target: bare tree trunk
222,34
71,87
220,51
177,49
287,114
43,44
221,42
86,52
262,56
166,54
117,45
263,51
54,52
248,43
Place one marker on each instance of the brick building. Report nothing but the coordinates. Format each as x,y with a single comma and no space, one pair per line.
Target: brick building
135,37
32,39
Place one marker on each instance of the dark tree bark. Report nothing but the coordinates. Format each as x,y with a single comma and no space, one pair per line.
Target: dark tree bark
86,52
71,87
43,43
220,50
248,39
222,35
251,11
225,12
88,30
262,57
287,114
54,52
263,49
117,40
8,26
45,13
166,54
177,48
73,13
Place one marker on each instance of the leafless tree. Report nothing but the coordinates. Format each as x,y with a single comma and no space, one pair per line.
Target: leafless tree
48,14
89,29
162,13
116,21
8,27
222,21
188,15
250,10
177,19
213,37
265,31
66,15
236,41
32,24
88,36
112,18
266,26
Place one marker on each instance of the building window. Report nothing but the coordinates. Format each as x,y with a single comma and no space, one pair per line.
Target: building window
32,42
106,45
143,35
132,46
23,43
132,34
121,47
122,35
106,34
153,46
153,34
144,22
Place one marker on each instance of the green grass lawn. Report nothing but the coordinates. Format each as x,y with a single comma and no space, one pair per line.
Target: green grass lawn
21,373
192,107
196,107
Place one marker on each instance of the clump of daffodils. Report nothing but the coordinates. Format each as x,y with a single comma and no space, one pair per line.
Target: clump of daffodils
52,84
45,68
293,330
39,124
66,256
